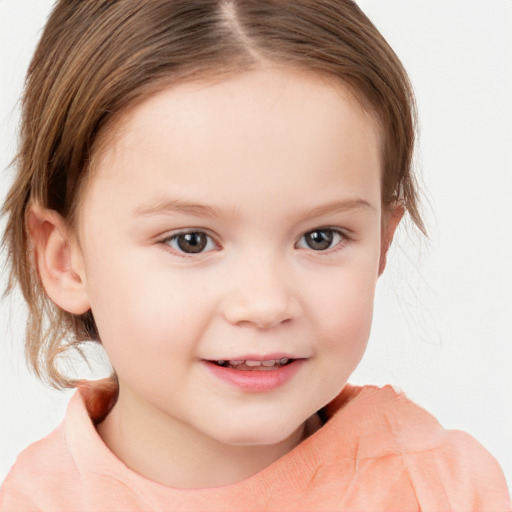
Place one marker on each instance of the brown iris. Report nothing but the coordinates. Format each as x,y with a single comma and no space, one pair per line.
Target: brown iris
192,242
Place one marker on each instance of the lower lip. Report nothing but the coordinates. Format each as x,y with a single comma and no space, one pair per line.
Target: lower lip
255,381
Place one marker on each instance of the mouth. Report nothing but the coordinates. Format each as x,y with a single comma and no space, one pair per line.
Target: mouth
256,374
252,365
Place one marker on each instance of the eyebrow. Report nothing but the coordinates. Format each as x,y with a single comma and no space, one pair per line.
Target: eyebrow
171,206
339,207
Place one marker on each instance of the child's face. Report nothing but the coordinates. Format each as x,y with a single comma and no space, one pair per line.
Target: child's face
275,176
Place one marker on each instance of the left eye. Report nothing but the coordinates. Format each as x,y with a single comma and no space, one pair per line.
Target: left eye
320,239
191,243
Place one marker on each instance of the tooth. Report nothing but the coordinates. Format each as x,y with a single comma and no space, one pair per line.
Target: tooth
253,363
270,362
284,360
235,363
221,362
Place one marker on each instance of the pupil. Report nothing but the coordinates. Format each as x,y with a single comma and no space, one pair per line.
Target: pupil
192,242
319,240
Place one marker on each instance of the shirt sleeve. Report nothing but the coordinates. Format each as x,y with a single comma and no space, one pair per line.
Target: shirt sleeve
465,472
12,500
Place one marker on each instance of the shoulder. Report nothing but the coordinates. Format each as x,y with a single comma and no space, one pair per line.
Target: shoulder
40,469
71,468
442,466
45,475
384,421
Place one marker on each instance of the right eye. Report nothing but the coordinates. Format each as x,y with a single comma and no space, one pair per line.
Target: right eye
192,242
321,239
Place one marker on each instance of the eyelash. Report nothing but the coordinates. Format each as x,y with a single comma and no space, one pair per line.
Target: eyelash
343,239
168,241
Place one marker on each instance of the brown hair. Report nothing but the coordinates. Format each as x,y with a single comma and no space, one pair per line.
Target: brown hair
97,57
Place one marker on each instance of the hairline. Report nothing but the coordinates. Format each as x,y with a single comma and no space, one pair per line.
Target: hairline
112,130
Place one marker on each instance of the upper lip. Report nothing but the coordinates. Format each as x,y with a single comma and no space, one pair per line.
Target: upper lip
254,357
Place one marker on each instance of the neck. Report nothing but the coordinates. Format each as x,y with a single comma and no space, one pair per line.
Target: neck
176,455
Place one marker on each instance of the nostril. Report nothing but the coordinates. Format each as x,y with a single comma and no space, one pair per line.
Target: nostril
262,305
262,319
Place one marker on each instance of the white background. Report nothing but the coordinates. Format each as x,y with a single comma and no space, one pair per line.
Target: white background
443,319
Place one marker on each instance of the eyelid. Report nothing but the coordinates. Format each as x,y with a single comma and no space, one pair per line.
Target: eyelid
344,233
164,241
345,239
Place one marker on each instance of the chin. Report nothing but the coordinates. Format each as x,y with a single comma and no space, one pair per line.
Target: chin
258,435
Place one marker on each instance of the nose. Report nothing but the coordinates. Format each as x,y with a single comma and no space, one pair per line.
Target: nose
261,296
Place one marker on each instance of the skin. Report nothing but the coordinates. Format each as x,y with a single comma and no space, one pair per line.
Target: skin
261,159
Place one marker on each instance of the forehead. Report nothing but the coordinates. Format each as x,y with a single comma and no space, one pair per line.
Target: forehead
261,131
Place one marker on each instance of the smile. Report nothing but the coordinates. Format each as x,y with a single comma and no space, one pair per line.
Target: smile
254,365
255,375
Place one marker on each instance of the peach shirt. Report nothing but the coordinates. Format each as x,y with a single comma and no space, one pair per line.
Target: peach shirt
377,452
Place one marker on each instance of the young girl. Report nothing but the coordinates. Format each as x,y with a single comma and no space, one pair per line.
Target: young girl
209,189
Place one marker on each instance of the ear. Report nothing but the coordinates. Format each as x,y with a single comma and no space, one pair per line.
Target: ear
391,218
58,260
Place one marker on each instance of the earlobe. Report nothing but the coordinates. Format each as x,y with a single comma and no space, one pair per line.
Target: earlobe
58,260
392,218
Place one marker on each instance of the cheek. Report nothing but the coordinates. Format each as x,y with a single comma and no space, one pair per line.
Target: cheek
139,310
346,303
344,318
